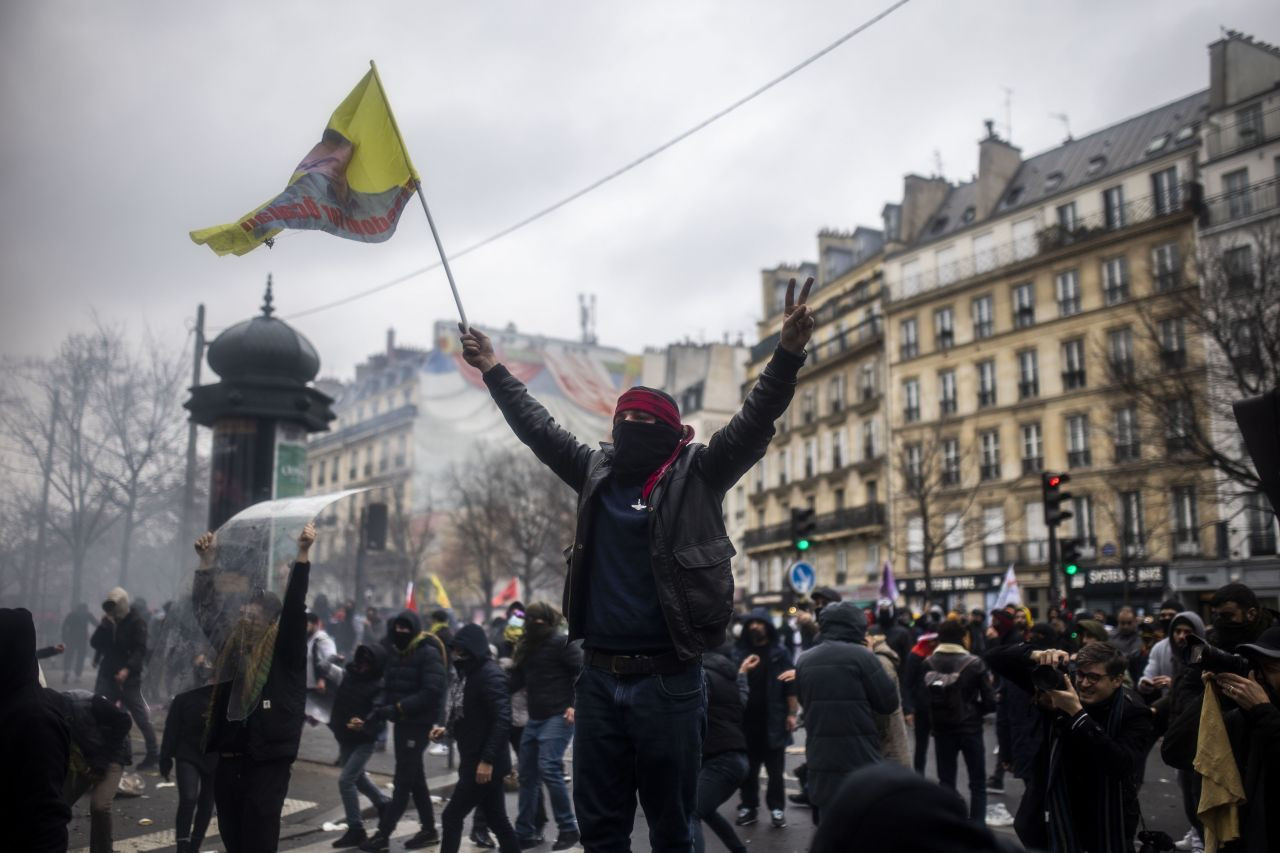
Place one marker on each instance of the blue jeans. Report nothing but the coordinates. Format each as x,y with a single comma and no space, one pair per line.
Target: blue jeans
353,757
637,735
541,755
719,778
950,745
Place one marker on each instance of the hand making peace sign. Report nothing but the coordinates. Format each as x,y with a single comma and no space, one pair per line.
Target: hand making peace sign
798,324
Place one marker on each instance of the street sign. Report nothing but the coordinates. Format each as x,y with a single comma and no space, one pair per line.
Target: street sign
802,577
1109,549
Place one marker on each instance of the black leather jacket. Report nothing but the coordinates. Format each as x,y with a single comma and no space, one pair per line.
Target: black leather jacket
688,546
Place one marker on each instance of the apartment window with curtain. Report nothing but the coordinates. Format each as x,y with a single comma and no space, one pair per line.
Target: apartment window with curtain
761,474
1082,523
950,462
983,322
947,392
1032,449
1068,221
944,328
870,440
809,405
952,541
1186,522
1132,531
784,469
1078,455
915,544
868,381
842,567
1237,263
912,461
909,345
839,454
1067,286
1113,207
1127,447
1177,424
1073,373
1164,190
1262,525
1173,343
986,383
1235,185
911,400
1115,280
810,457
1028,375
1120,353
990,443
945,261
1037,544
984,252
1024,305
1167,267
993,554
835,393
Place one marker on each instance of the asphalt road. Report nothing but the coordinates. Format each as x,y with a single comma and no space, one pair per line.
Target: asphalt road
313,802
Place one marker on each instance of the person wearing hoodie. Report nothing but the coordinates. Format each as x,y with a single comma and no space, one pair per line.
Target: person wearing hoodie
724,749
121,643
75,636
842,686
649,580
35,740
353,702
890,809
892,727
915,701
183,742
415,684
479,720
770,717
960,695
256,710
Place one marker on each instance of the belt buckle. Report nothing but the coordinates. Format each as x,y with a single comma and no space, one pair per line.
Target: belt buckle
613,664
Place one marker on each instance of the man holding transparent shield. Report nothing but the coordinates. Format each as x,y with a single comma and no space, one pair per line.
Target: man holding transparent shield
260,683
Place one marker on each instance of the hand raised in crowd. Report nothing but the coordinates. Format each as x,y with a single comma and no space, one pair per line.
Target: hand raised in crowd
1050,657
306,539
749,663
205,548
1245,692
477,349
798,322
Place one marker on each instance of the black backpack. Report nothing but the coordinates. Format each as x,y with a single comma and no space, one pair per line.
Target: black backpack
946,701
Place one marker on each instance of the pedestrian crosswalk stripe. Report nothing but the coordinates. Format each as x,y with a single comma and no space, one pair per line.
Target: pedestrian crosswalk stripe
165,837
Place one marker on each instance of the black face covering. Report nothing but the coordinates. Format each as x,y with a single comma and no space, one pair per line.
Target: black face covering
1228,634
401,639
640,448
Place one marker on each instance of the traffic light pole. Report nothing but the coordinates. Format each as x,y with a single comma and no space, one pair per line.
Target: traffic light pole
1055,599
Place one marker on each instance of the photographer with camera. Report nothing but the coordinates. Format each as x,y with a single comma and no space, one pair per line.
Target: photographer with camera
1247,683
1097,735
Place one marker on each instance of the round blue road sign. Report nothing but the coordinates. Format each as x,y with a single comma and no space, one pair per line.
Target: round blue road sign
802,577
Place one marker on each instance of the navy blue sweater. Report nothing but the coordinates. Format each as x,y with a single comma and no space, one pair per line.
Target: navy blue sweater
623,613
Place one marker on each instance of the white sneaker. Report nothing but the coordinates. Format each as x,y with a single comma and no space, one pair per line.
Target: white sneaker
1190,841
438,749
998,815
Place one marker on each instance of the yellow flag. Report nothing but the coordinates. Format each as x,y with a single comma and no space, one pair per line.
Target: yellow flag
354,183
442,597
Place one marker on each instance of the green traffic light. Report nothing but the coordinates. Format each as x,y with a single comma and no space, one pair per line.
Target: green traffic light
1071,568
802,545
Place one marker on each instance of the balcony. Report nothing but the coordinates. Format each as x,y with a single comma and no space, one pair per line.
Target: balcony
868,400
984,329
946,339
1186,543
1128,452
846,520
911,414
1079,458
1032,466
1033,552
1073,379
1167,280
1262,543
1121,369
1173,359
950,476
869,331
1176,444
1024,317
1069,307
1257,199
1117,293
1028,389
1055,237
908,350
1240,136
989,471
993,555
947,406
986,398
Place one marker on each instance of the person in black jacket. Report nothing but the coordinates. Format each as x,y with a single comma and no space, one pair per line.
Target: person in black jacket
100,734
770,717
121,641
479,721
415,682
724,749
842,686
960,694
75,636
545,665
35,743
1098,734
649,585
256,731
353,702
183,742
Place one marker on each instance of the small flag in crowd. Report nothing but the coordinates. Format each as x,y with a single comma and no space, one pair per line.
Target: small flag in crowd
888,586
1010,592
409,602
508,594
354,183
442,597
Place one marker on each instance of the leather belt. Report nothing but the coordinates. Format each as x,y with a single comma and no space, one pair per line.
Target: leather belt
636,664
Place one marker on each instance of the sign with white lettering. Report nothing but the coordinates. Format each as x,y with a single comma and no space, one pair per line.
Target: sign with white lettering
955,583
1113,579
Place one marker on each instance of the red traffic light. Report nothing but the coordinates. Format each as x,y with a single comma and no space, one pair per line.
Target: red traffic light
1055,481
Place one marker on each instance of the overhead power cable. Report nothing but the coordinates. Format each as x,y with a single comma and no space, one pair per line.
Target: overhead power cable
649,155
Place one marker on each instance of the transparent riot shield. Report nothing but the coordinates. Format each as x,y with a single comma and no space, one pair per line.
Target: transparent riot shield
236,596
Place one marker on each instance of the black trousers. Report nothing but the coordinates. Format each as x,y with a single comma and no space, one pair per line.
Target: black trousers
130,695
250,796
195,803
410,779
488,799
922,730
774,762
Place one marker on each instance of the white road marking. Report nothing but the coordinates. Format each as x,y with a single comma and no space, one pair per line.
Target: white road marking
165,837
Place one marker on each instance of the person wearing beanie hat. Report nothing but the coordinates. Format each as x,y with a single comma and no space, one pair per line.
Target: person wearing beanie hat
1092,631
649,583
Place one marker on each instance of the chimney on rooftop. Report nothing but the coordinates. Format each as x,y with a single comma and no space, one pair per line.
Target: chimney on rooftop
920,198
391,343
998,162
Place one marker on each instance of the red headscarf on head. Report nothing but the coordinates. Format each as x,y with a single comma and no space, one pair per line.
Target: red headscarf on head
665,411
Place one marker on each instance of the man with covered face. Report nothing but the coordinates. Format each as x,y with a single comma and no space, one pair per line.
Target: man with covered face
648,586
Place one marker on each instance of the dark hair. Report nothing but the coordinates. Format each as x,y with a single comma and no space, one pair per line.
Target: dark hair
440,615
1111,658
312,617
1235,592
1171,604
268,601
951,631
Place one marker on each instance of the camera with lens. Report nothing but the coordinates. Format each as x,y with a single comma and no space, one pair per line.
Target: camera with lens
1154,841
1046,677
1214,659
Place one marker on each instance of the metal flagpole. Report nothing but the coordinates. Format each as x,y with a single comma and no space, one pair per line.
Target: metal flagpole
444,259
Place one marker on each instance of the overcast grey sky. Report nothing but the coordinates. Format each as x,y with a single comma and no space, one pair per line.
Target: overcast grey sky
127,124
